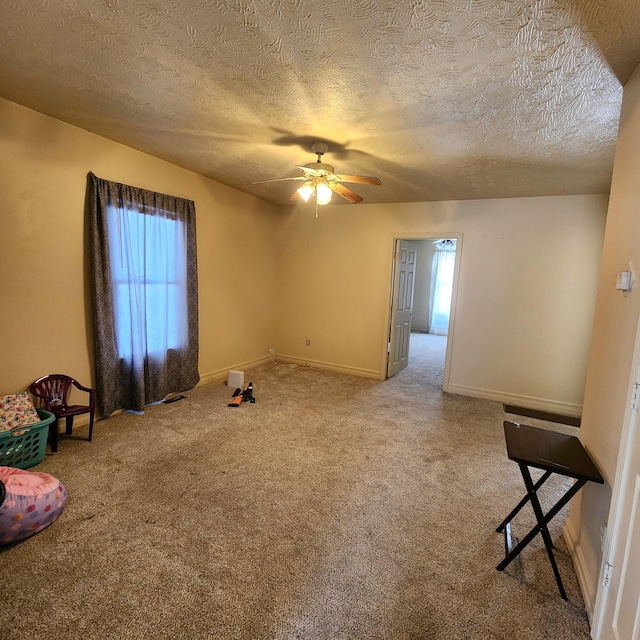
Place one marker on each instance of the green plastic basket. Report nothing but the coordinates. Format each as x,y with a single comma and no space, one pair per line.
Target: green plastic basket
24,447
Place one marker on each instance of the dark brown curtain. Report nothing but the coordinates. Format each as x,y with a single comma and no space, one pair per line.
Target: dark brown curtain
145,294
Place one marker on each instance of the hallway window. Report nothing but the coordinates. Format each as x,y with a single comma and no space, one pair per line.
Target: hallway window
442,271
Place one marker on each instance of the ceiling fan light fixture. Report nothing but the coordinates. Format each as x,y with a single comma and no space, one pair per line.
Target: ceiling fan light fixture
306,191
320,179
323,193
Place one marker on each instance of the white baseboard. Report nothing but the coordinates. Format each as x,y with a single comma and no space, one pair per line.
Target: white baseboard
328,366
222,374
530,402
586,581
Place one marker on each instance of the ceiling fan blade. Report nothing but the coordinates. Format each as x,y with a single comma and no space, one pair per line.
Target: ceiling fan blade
361,179
346,193
278,180
309,171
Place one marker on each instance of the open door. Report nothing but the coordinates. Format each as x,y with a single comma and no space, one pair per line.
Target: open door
404,266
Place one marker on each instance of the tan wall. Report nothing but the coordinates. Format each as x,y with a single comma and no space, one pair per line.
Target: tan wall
612,344
276,277
529,271
45,321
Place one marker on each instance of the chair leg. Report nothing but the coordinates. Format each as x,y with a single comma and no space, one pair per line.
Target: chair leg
90,426
69,425
53,435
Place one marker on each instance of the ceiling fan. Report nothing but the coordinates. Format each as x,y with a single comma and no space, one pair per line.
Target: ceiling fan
321,181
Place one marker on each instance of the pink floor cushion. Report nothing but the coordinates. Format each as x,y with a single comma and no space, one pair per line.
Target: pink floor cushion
32,502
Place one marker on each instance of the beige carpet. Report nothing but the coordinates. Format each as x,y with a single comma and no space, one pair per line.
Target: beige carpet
335,507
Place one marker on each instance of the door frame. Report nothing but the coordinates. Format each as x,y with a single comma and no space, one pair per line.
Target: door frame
417,237
616,537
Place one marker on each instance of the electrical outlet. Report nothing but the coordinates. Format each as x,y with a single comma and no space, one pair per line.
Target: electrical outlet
308,342
271,351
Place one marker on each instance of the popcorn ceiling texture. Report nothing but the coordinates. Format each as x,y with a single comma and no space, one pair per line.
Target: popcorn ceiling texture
441,99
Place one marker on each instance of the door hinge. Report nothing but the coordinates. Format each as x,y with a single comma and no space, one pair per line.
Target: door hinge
635,396
606,575
389,347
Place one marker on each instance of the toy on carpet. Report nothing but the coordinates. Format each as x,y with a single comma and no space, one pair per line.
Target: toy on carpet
242,395
33,500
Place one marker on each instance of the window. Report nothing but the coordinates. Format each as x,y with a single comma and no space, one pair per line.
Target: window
148,268
442,271
145,294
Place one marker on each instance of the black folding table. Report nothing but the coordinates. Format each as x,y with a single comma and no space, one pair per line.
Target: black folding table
552,452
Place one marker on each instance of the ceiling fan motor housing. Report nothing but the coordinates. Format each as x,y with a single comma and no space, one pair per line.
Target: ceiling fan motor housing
320,166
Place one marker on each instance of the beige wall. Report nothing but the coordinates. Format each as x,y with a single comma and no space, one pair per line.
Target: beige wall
45,322
528,276
612,344
274,277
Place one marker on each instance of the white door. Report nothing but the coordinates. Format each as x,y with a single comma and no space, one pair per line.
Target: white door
401,306
617,611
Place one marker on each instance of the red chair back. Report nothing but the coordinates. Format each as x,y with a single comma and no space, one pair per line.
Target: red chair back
54,390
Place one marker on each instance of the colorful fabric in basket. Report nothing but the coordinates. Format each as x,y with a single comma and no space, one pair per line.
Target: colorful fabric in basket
33,501
17,410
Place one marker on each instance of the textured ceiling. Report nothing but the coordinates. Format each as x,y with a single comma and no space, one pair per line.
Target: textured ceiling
441,99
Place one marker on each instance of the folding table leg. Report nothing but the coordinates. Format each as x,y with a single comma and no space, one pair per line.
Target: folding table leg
524,501
542,521
542,525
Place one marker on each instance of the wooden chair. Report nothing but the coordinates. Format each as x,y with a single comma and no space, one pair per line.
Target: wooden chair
54,390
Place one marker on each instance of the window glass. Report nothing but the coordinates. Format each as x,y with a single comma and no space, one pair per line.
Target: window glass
148,265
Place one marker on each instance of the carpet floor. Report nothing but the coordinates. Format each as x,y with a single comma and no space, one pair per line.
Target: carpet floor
335,507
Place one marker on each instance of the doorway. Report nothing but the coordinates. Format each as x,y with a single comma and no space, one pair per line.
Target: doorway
433,304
